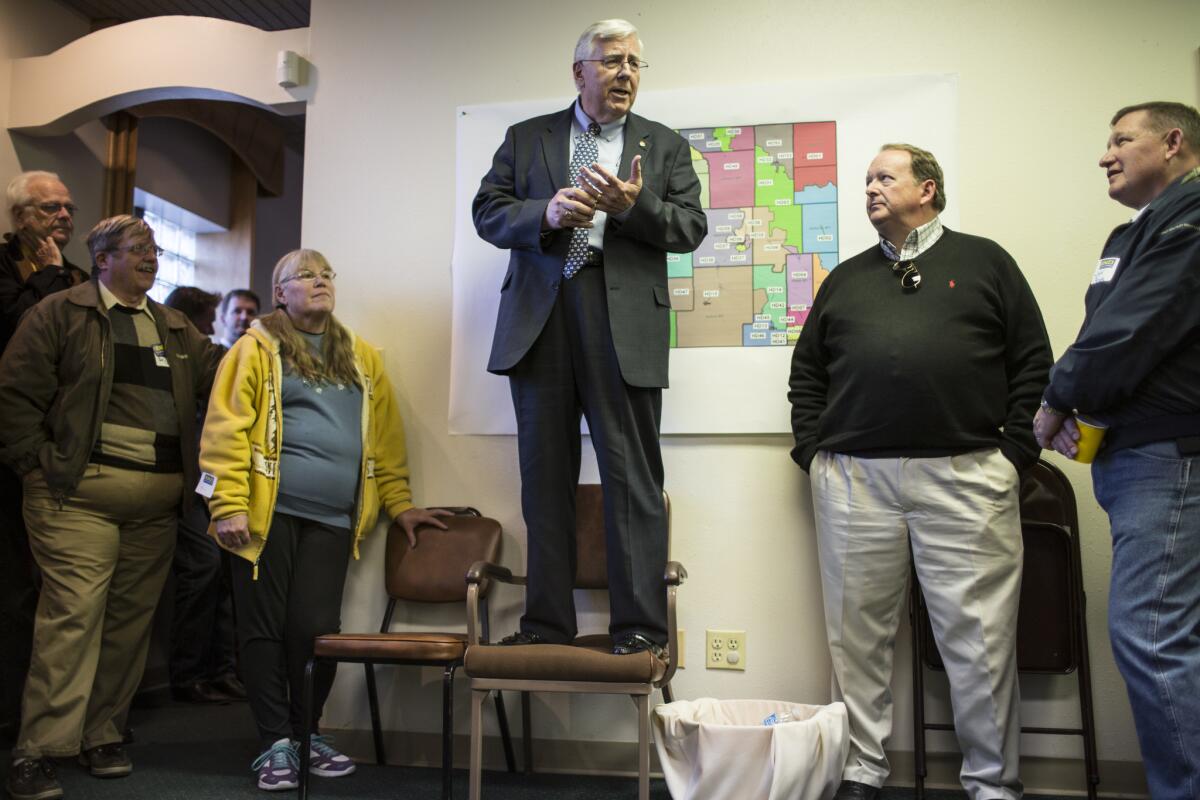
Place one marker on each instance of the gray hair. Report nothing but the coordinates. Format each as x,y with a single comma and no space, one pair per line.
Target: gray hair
606,30
18,189
110,233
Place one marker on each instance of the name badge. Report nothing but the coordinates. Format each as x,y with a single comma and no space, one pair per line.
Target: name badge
160,356
207,483
1105,269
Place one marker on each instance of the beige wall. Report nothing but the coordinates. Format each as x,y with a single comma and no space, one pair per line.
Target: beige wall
34,29
1038,81
277,226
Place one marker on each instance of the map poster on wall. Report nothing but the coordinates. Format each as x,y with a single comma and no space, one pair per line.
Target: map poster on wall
782,169
770,193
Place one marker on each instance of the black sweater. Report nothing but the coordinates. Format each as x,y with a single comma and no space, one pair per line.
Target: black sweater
18,296
955,366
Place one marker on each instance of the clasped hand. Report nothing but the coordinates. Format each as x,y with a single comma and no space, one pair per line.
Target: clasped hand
599,190
1056,432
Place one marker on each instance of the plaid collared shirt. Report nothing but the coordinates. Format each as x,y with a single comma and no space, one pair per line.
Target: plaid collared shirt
918,241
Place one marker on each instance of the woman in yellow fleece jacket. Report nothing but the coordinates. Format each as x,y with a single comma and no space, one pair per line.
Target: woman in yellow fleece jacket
301,445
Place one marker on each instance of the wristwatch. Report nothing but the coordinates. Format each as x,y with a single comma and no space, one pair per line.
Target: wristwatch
1049,409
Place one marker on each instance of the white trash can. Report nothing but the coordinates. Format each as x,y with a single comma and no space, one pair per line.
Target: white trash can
721,750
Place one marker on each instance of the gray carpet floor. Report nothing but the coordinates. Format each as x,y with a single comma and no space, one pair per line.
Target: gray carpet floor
185,752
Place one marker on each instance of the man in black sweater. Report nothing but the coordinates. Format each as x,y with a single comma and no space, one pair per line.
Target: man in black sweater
32,266
913,386
1135,368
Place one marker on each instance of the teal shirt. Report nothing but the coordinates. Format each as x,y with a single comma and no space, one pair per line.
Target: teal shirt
321,451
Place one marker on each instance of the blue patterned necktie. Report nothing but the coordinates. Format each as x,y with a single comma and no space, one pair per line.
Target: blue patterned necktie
585,155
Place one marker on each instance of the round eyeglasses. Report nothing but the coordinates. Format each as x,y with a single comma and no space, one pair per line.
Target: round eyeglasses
614,63
140,249
308,276
52,209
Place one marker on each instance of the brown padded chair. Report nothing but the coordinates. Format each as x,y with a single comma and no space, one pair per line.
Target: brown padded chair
1051,620
585,666
431,573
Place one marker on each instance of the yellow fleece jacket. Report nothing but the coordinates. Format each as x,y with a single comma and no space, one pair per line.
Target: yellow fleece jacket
240,446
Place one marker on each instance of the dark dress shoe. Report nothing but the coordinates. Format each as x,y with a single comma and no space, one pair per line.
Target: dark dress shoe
521,637
853,790
200,693
230,686
107,761
636,643
33,779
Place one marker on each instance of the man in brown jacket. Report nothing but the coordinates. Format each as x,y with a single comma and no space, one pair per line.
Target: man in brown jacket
98,390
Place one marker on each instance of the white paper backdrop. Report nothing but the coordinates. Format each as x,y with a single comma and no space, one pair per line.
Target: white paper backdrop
713,389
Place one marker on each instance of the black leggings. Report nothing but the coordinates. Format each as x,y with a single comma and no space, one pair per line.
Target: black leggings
298,596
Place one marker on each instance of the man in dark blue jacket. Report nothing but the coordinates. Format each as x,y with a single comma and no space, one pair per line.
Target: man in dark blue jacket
1135,368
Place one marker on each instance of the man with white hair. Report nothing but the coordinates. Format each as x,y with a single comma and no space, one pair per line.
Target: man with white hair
32,264
589,201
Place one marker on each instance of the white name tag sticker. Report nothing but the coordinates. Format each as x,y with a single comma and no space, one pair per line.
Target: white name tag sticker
207,483
1105,269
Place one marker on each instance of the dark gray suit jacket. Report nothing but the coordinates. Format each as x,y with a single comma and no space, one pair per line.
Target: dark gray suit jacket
528,169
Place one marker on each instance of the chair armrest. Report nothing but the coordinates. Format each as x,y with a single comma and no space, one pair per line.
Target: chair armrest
674,575
486,570
477,577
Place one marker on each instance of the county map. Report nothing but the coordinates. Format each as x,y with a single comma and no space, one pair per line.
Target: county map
770,193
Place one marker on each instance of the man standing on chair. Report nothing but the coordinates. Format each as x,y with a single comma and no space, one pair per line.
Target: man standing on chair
913,385
1135,368
589,201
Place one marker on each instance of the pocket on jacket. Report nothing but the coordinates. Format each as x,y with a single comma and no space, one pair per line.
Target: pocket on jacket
661,297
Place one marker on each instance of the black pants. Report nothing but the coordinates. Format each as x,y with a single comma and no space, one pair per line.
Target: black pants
572,369
298,596
202,635
18,602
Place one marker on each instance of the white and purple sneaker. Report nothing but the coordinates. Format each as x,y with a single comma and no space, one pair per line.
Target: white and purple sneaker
278,767
327,762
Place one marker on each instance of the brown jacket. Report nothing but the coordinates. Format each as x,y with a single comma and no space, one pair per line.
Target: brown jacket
56,377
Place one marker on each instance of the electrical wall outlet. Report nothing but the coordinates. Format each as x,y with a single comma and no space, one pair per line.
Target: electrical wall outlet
725,649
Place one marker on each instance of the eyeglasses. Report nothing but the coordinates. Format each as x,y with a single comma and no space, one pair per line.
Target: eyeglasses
52,209
616,62
308,276
141,249
910,276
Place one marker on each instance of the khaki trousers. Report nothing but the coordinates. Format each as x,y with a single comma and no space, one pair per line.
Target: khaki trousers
959,514
104,555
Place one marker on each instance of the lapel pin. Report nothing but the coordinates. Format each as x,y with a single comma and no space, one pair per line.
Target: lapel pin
642,143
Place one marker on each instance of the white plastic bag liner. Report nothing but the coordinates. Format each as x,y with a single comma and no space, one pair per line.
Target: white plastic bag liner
720,750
